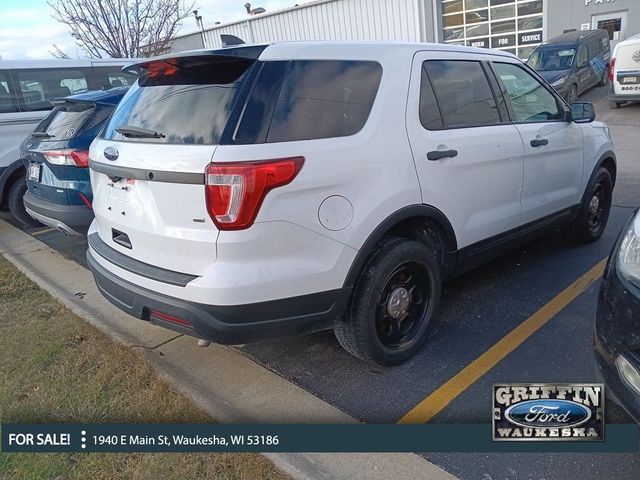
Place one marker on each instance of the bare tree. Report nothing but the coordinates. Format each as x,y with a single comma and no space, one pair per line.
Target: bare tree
121,28
58,52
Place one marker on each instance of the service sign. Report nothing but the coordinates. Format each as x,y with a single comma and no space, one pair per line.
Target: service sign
548,412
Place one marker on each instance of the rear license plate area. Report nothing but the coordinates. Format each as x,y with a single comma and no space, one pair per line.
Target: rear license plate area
34,172
629,80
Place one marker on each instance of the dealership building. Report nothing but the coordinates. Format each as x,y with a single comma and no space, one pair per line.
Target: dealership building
517,26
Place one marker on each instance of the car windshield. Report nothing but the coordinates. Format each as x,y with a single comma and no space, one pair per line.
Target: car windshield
549,59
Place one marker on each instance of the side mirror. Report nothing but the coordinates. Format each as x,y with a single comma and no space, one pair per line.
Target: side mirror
583,112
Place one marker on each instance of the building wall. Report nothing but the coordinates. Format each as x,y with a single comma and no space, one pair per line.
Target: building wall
512,25
420,21
568,14
383,20
187,42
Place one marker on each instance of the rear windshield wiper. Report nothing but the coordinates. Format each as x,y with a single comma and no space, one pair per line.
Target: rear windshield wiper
42,135
138,132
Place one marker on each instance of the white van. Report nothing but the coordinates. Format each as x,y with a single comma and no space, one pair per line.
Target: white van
26,88
625,72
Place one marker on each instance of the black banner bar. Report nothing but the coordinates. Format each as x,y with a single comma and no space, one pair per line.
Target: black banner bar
289,438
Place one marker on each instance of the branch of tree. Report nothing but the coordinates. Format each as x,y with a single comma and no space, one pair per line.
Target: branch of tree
120,28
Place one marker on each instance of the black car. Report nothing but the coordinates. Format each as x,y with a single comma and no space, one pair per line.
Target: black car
617,333
573,62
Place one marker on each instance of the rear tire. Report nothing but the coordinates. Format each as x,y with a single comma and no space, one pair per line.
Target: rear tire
393,303
590,223
16,203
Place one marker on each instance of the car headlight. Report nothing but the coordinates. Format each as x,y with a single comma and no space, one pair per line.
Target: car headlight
629,256
559,82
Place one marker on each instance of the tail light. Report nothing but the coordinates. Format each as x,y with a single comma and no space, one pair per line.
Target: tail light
75,158
235,191
612,65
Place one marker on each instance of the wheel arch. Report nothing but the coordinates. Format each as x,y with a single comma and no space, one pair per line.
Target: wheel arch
606,160
407,216
10,175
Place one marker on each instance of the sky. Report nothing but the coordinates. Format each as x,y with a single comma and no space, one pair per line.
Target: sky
27,29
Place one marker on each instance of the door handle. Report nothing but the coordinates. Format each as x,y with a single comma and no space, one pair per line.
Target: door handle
438,154
539,142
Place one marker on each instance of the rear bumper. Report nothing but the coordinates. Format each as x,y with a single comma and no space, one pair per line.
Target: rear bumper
235,324
72,219
624,98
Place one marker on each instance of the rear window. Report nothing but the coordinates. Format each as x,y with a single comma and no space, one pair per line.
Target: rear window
188,105
72,120
324,99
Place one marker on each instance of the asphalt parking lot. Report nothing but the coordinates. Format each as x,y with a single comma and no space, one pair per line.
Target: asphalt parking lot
526,317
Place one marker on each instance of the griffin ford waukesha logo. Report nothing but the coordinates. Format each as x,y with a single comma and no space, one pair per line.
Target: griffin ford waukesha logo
548,412
111,153
636,56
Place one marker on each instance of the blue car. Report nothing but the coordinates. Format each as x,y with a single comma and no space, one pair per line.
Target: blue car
56,157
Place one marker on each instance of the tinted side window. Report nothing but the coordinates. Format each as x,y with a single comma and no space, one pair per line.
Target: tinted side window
258,111
324,99
430,115
463,93
7,100
594,48
530,100
38,87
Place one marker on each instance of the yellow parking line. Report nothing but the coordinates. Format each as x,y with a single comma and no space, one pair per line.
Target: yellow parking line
446,393
40,232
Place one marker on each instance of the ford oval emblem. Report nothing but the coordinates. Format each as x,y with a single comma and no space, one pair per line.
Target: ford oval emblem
548,413
636,56
111,153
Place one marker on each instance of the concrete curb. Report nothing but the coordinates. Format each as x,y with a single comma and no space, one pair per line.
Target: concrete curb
224,383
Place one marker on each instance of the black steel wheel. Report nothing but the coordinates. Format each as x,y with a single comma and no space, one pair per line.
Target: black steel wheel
592,219
393,303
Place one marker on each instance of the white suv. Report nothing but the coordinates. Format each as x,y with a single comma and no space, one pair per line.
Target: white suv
252,192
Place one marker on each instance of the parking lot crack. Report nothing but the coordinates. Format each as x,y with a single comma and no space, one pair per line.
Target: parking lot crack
155,347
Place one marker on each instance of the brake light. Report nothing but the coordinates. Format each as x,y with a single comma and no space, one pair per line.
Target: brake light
612,65
234,191
76,158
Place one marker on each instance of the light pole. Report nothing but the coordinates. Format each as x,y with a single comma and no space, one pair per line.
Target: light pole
200,24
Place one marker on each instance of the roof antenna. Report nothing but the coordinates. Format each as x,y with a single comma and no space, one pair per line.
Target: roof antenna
230,40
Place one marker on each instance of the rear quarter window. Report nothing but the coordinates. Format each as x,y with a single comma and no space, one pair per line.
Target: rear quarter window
324,99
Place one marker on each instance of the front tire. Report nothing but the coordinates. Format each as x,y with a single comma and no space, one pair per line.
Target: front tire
16,203
393,303
592,219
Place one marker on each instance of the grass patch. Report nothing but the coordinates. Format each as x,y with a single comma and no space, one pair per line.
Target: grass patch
55,368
